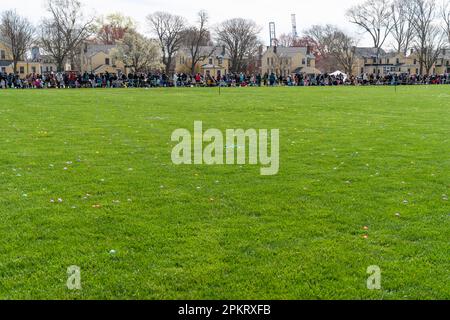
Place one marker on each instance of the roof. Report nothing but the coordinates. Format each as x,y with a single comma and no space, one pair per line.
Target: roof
369,52
5,63
393,55
93,49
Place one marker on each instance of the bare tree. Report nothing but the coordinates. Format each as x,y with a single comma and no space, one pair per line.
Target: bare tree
324,38
137,52
18,33
374,17
434,44
195,38
402,30
169,30
286,40
427,36
446,16
66,29
240,37
342,48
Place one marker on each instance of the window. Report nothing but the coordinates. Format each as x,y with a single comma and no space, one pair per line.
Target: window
4,69
51,69
46,69
268,61
387,61
2,55
220,61
398,61
415,61
210,61
362,70
107,61
33,69
22,70
374,60
303,61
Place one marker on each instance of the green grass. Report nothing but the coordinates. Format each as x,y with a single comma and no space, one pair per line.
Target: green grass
349,158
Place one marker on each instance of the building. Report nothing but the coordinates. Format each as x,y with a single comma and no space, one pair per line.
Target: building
24,67
383,63
46,62
443,63
284,61
216,61
98,58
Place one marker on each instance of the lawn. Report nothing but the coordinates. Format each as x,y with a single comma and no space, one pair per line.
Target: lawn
350,157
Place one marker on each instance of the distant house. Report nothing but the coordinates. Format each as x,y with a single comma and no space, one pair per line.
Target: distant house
23,67
372,61
98,58
46,62
284,61
216,61
443,63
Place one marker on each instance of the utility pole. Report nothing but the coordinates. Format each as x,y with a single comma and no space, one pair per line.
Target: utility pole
273,35
294,26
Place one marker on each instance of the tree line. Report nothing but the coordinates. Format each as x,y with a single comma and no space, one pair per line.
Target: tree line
420,25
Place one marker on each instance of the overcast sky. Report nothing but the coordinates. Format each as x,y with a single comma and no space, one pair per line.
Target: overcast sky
308,12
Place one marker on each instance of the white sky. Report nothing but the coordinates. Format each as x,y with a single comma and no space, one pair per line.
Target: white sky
308,12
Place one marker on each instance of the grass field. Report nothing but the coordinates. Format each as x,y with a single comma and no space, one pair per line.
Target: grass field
350,158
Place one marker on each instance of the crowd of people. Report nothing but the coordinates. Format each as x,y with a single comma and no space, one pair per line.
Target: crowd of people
151,80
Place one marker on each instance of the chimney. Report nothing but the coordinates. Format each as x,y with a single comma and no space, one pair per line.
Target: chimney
223,51
275,49
412,51
308,49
